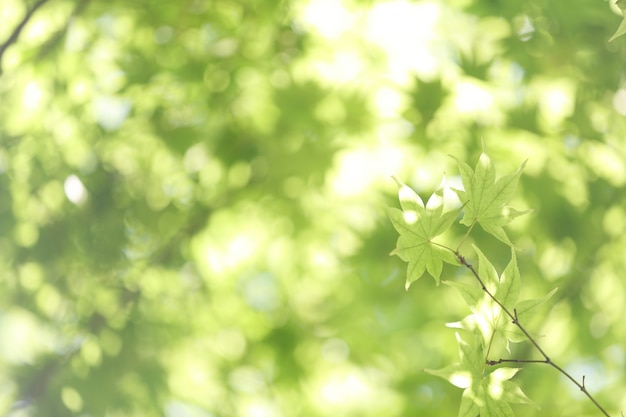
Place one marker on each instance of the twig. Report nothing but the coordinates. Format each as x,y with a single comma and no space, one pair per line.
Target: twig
492,362
515,320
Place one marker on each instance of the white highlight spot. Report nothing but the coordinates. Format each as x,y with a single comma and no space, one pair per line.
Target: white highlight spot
358,169
75,191
472,97
410,217
32,96
110,112
619,101
407,32
345,389
461,379
330,18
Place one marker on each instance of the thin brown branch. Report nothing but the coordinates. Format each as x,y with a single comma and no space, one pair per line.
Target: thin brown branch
499,361
515,320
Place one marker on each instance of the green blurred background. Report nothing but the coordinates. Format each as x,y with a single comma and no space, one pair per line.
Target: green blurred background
193,193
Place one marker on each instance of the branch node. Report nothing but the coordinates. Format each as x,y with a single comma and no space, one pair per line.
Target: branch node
462,259
515,318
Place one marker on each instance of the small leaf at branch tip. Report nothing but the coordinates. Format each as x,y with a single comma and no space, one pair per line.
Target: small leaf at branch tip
620,30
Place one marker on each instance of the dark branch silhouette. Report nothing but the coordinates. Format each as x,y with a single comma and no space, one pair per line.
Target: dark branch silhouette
58,35
18,29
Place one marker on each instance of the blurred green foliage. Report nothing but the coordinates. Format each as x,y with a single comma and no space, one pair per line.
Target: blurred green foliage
193,193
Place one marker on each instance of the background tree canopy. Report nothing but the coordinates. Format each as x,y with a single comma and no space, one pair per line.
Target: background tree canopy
193,193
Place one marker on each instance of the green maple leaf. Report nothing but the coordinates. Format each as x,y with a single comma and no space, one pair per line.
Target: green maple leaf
485,199
417,225
507,293
485,393
469,370
487,315
525,309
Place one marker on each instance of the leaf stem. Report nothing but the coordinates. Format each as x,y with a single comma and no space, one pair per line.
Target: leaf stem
493,334
515,320
469,230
